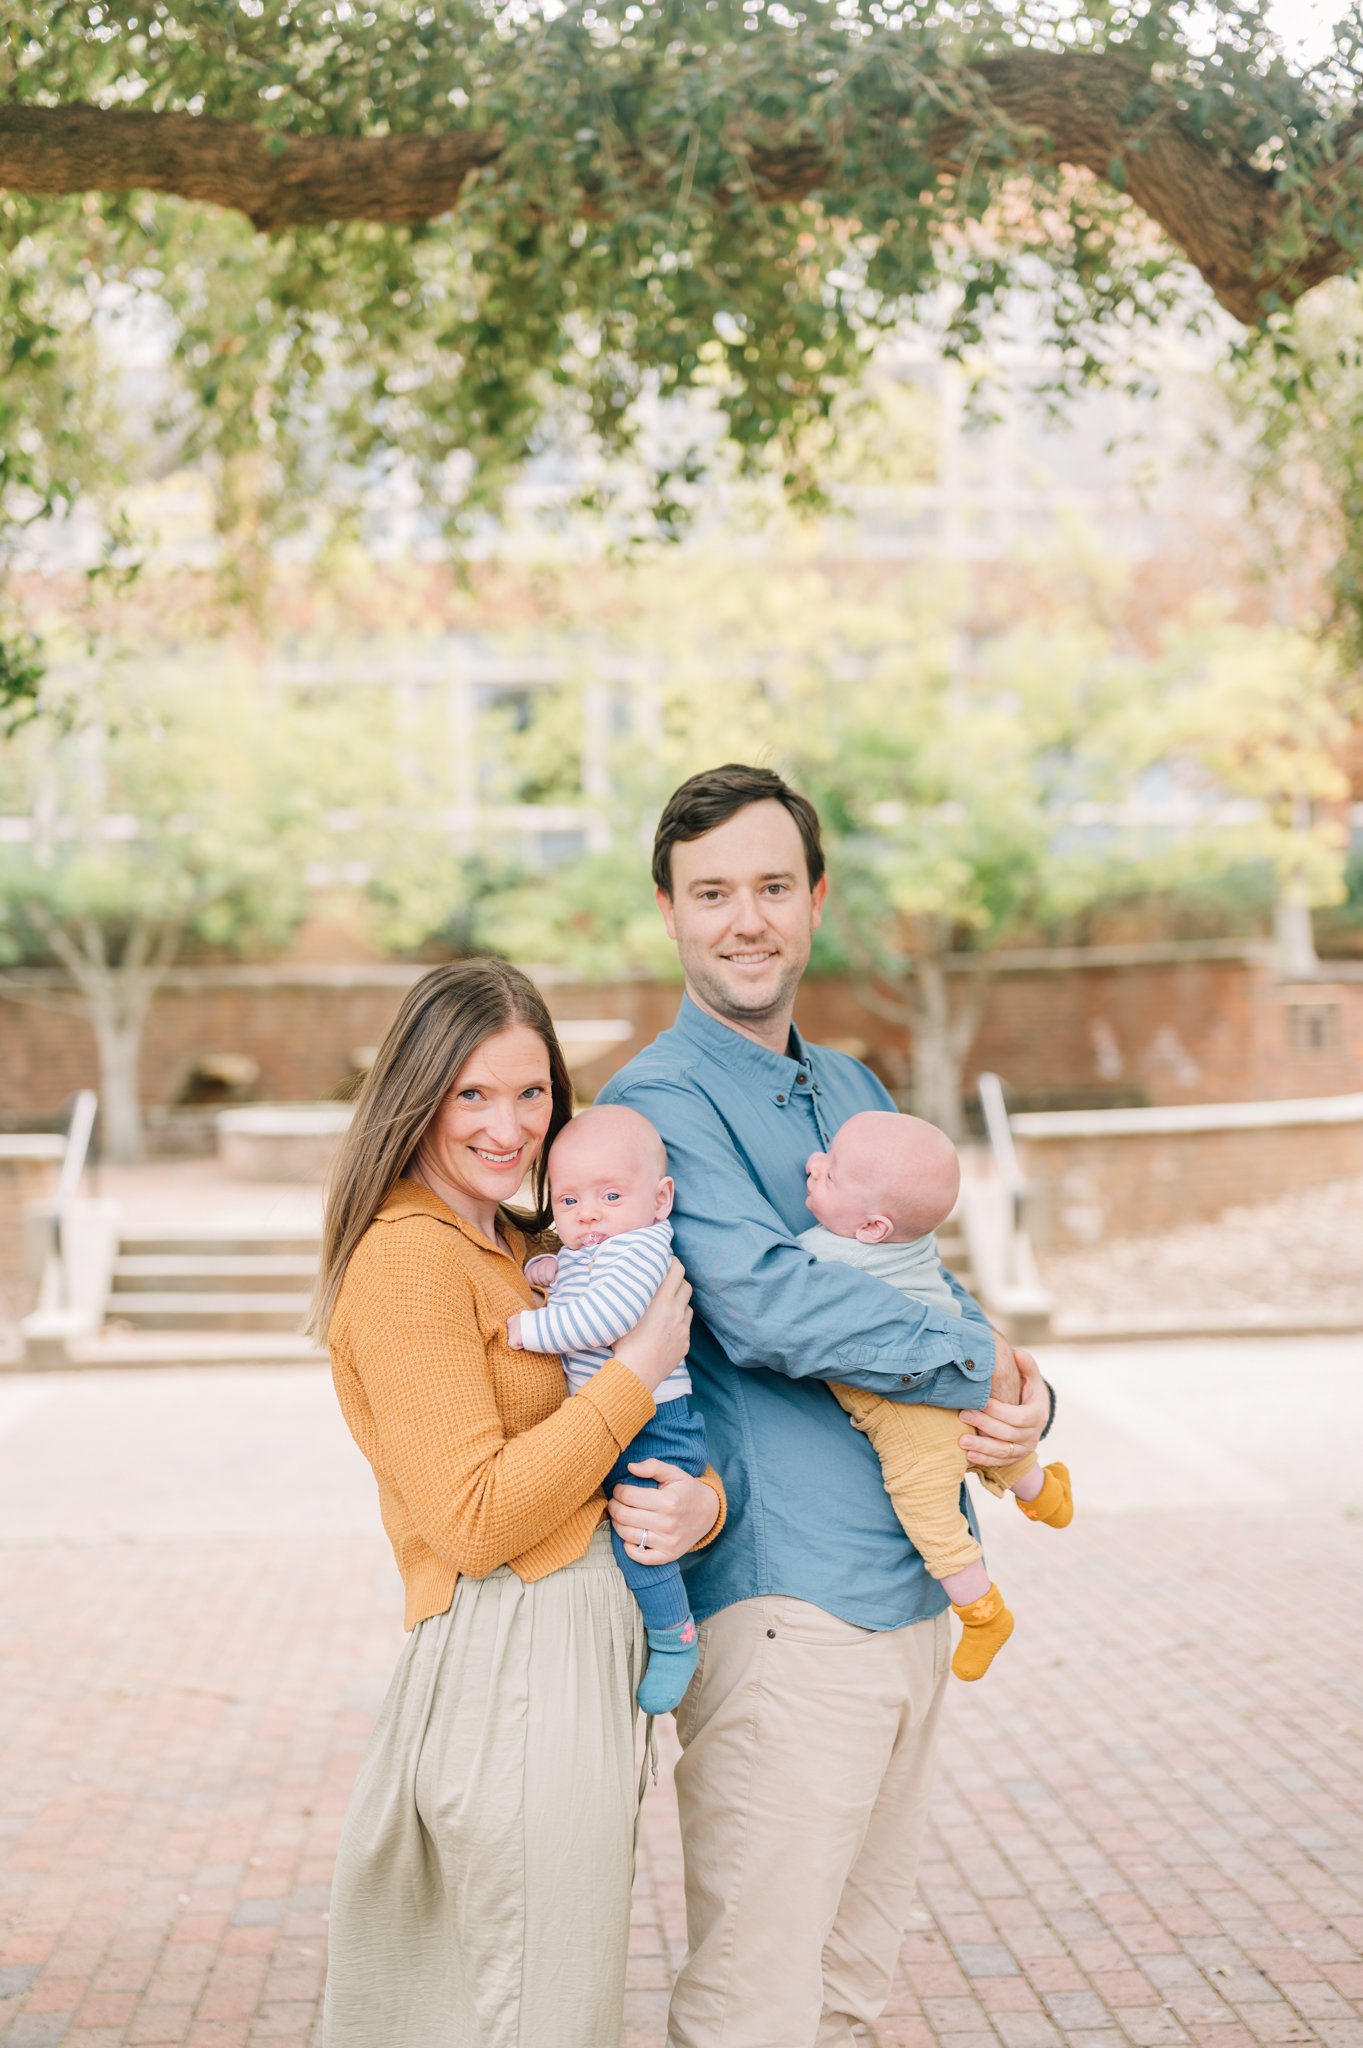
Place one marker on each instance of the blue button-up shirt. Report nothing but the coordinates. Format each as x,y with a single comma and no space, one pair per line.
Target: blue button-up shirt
808,1512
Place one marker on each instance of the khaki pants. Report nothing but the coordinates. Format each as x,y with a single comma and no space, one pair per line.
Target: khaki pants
803,1789
481,1891
922,1464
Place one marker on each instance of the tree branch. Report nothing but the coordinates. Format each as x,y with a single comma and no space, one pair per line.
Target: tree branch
59,943
276,181
1081,108
43,997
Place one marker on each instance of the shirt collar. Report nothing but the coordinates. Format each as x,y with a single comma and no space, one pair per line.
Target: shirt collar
776,1073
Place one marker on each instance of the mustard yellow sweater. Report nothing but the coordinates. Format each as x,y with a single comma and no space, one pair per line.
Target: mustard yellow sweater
479,1457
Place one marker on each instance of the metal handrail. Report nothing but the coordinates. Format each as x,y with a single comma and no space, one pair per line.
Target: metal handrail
1000,1135
998,1218
79,1130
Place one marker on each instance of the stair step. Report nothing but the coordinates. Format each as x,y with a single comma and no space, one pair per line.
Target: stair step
194,1240
203,1271
278,1311
134,1350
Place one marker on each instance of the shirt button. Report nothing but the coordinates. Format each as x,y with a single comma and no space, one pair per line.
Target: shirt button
771,1635
970,1365
904,1378
802,1078
780,1098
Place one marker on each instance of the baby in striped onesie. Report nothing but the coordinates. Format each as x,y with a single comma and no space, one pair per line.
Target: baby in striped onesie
611,1196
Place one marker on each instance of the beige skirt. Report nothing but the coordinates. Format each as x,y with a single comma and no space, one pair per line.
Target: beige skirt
481,1892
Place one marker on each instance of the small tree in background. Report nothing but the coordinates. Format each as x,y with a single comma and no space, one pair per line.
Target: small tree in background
169,817
949,800
968,812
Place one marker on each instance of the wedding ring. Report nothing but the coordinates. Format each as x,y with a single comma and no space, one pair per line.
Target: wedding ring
642,1544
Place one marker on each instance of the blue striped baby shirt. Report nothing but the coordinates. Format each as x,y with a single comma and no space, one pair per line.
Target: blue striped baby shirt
599,1293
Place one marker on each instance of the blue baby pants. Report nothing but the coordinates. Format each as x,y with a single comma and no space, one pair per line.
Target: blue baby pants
677,1435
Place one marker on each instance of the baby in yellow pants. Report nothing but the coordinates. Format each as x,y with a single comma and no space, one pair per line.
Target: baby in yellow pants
880,1192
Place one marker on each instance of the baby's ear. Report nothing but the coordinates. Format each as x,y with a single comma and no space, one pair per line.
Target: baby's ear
874,1230
663,1205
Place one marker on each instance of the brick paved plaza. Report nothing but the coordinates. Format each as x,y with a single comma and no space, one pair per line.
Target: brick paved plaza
1150,1822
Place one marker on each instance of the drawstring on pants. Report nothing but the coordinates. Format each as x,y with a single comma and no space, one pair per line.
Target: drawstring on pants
649,1767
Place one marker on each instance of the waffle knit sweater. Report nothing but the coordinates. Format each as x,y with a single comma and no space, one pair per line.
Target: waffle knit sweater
479,1457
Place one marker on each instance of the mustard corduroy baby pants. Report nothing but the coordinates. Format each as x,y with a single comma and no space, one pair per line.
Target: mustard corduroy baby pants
923,1465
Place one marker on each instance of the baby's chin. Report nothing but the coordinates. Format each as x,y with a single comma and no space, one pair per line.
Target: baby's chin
588,1240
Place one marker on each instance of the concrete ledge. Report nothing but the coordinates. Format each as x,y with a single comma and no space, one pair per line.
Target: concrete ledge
1191,1116
1152,1327
290,1141
38,1145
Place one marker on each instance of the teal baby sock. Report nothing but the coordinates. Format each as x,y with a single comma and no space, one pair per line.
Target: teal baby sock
673,1654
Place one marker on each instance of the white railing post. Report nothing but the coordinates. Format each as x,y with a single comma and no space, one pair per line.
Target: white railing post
999,1133
79,1131
994,1211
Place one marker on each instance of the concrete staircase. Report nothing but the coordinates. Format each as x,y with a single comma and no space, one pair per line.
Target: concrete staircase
953,1250
191,1293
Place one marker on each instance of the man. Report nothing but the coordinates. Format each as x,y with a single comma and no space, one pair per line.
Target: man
808,1731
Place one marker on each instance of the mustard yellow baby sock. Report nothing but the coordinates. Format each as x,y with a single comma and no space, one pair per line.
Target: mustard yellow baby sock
986,1625
1055,1502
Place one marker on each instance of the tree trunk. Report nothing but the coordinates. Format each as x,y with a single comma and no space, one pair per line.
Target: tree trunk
117,996
937,1066
118,1038
947,1010
1295,940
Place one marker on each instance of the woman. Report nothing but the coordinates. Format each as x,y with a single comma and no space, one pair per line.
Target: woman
481,1893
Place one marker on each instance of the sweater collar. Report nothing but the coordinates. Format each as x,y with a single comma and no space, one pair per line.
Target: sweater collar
414,1198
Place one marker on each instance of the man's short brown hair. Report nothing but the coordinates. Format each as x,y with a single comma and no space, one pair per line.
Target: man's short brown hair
716,795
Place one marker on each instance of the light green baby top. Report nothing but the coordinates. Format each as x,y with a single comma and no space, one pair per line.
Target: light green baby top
914,1268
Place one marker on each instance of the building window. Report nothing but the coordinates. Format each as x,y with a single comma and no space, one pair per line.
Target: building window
1315,1027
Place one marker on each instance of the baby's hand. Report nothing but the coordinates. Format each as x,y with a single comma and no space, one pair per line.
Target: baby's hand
542,1270
513,1333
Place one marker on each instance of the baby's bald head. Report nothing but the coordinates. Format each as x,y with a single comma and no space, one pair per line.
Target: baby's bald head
884,1170
607,1174
614,1131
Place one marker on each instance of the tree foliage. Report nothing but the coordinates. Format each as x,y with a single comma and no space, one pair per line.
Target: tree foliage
353,241
976,793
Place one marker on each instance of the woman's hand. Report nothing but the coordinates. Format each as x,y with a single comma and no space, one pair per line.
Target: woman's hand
1005,1430
661,1338
677,1513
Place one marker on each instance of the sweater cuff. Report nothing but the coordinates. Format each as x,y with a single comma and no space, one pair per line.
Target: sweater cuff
712,1479
621,1399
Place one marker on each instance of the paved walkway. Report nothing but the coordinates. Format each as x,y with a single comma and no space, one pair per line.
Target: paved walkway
1149,1830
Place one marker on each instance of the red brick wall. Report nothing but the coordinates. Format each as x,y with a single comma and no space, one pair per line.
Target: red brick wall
22,1181
1182,1031
1157,1030
1084,1190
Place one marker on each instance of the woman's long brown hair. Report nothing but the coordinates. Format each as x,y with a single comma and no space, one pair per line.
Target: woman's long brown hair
443,1020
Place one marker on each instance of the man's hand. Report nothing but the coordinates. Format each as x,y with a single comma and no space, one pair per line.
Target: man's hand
1006,1383
676,1514
1007,1429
